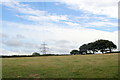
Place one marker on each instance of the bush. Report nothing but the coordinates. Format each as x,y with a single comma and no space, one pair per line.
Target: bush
35,54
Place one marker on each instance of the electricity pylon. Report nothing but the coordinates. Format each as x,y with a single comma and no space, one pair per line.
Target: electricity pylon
44,48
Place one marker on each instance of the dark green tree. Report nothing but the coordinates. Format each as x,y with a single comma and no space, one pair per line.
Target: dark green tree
74,52
92,47
110,45
99,45
84,47
35,54
104,45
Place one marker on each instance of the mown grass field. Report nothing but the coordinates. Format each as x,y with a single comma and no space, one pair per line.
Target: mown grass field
73,66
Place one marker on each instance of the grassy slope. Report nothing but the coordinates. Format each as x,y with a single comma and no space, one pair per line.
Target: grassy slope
76,66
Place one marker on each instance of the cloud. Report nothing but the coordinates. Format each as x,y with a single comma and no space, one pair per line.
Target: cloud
72,24
14,52
60,39
62,42
2,35
12,43
67,44
41,16
58,50
61,46
33,14
102,7
7,52
17,43
19,36
5,36
45,18
16,47
101,24
88,16
22,8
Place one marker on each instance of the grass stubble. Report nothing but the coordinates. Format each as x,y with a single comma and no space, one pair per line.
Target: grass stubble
74,66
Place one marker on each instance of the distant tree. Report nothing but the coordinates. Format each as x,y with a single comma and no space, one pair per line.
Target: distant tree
104,45
84,47
74,52
36,54
92,47
110,45
99,45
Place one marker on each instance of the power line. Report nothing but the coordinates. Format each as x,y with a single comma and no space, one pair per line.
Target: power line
44,48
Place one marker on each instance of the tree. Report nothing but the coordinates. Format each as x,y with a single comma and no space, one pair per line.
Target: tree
104,45
83,49
92,47
36,54
74,52
99,45
110,45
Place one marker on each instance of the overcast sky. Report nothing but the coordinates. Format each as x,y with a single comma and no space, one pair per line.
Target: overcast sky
63,24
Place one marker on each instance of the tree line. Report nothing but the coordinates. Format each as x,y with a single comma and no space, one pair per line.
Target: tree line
92,47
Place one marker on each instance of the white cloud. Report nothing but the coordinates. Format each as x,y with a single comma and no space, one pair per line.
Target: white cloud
105,24
72,24
94,17
6,52
33,14
9,52
22,8
17,43
2,35
101,7
42,18
61,38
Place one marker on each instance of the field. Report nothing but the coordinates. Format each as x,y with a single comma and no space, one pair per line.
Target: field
73,66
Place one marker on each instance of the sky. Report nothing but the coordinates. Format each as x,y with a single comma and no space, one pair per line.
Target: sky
63,25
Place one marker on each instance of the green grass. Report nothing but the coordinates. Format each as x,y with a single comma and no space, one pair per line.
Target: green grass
74,66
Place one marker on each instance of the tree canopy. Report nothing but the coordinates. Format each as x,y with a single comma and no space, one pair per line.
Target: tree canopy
73,52
99,45
105,45
36,54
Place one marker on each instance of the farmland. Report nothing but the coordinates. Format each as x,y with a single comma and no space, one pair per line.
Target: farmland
72,66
